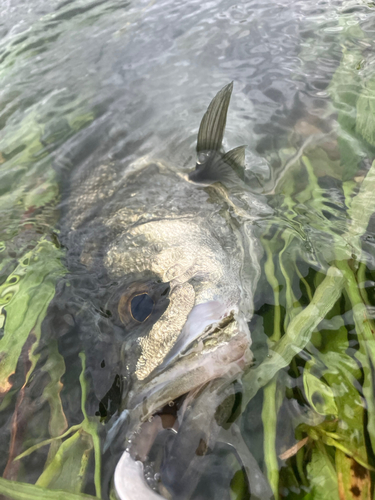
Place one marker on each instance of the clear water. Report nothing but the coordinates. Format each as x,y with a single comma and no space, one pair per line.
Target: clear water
91,83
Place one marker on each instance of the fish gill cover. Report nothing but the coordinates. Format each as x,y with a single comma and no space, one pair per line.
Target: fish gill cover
313,335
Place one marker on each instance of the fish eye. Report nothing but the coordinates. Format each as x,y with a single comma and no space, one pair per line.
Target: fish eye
135,302
141,307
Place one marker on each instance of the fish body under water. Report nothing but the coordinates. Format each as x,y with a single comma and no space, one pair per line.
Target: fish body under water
181,262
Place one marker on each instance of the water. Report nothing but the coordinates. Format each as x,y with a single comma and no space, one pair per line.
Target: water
85,84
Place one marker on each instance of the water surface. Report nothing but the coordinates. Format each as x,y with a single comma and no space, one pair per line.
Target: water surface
91,83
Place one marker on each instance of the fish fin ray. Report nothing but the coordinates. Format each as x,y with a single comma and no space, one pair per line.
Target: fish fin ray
214,170
236,159
211,129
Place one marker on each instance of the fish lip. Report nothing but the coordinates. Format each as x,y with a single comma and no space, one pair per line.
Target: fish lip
215,314
226,359
215,328
210,332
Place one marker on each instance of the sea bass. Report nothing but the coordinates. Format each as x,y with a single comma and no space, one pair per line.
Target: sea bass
177,260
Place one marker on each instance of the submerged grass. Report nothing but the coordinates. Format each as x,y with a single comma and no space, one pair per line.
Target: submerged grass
26,491
335,381
67,468
28,280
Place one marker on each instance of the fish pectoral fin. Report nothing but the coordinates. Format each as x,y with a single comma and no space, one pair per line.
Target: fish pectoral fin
211,130
236,159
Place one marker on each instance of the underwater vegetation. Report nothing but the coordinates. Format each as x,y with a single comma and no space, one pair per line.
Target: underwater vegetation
311,390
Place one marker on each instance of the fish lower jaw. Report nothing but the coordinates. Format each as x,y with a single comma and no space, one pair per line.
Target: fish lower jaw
225,359
181,382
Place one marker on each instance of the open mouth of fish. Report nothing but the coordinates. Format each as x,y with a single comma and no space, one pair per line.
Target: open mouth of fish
218,356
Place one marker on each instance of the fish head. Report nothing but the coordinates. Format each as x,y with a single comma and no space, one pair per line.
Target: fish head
184,295
182,300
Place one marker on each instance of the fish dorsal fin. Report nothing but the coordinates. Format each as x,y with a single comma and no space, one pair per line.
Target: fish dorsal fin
236,159
211,130
213,165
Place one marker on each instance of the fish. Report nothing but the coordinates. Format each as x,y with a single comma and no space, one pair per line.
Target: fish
168,264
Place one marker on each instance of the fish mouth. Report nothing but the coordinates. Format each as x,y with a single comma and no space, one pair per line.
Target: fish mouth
219,349
220,353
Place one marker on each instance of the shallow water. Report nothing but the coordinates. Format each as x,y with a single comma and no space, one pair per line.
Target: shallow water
85,84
